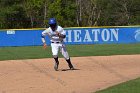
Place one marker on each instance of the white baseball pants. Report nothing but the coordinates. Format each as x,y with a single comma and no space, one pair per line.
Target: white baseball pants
59,46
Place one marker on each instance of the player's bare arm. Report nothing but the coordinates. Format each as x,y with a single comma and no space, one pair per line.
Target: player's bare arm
44,42
44,33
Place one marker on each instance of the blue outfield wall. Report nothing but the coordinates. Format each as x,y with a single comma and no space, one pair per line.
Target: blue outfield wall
91,35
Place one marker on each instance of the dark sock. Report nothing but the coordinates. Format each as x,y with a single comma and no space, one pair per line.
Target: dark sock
56,60
69,63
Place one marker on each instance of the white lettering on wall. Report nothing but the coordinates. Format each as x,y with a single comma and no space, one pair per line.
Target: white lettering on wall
92,35
68,36
105,35
11,32
77,36
87,37
114,33
96,32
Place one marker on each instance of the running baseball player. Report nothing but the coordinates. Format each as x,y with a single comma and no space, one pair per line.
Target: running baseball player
56,34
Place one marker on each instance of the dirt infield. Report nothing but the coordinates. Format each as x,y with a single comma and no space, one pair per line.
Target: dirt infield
91,74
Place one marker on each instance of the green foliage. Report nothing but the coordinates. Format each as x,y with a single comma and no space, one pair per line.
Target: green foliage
35,13
63,11
55,10
69,12
12,14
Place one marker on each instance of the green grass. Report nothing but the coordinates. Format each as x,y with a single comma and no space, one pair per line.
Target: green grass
34,52
132,86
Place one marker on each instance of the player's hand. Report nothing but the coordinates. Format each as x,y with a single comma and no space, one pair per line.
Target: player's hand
57,33
44,45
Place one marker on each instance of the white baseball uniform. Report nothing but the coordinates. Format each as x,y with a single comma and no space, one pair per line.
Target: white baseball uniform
56,42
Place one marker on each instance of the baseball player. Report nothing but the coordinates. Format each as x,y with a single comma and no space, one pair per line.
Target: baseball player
56,34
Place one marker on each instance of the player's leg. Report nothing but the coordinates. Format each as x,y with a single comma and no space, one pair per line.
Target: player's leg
66,56
55,49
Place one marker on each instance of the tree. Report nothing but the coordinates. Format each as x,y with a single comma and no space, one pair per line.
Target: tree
34,10
35,13
63,11
11,14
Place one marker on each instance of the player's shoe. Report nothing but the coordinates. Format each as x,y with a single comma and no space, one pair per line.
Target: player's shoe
71,67
56,66
70,64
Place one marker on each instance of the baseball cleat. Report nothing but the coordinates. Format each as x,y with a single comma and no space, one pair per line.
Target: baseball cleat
71,67
56,66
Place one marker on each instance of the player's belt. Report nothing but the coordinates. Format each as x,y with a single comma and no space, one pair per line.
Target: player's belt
56,42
